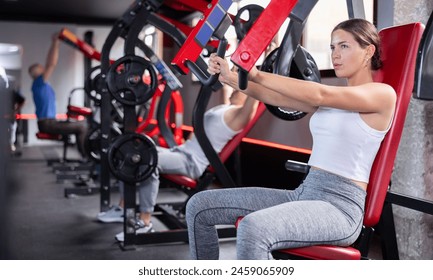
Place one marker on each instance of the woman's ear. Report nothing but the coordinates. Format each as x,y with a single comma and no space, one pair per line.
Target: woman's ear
371,49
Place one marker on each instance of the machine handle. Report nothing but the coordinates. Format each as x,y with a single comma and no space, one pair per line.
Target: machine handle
205,79
242,79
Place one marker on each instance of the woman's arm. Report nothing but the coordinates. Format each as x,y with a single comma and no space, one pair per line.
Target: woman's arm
268,96
366,98
239,117
306,96
255,90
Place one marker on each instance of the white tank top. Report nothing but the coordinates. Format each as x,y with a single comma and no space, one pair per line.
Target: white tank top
218,132
343,143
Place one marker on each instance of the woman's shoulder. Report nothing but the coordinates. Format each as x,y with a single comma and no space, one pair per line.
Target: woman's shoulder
381,89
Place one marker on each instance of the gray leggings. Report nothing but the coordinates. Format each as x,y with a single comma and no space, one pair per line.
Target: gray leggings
324,209
169,162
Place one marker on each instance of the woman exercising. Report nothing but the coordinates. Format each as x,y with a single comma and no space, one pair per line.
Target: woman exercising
348,125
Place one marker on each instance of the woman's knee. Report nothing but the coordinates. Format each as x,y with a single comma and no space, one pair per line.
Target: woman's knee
199,206
195,203
253,239
251,228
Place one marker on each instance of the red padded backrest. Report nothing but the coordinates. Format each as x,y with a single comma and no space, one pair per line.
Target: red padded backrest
399,51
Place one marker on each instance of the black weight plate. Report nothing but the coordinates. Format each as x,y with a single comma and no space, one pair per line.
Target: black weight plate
132,157
245,18
94,84
126,83
268,66
93,143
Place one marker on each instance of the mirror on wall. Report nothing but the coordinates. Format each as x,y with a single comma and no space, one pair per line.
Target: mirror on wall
10,61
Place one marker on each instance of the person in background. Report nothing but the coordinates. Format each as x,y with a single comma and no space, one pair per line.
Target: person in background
44,98
222,123
18,101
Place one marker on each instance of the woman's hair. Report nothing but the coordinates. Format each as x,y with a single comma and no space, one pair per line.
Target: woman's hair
365,33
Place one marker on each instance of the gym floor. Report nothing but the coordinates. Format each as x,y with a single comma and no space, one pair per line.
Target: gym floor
45,225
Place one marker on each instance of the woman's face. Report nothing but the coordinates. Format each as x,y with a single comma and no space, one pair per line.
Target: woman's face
348,58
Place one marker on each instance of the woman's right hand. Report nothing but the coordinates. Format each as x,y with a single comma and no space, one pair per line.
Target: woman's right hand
218,65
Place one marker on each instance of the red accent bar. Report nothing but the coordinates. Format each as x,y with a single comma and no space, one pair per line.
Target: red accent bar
72,39
262,33
263,143
33,116
191,50
187,5
276,145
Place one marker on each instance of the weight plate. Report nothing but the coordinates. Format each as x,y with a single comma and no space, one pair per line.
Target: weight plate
93,84
245,18
310,73
132,80
132,157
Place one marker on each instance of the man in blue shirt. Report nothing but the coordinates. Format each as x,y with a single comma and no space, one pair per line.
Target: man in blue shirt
44,98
